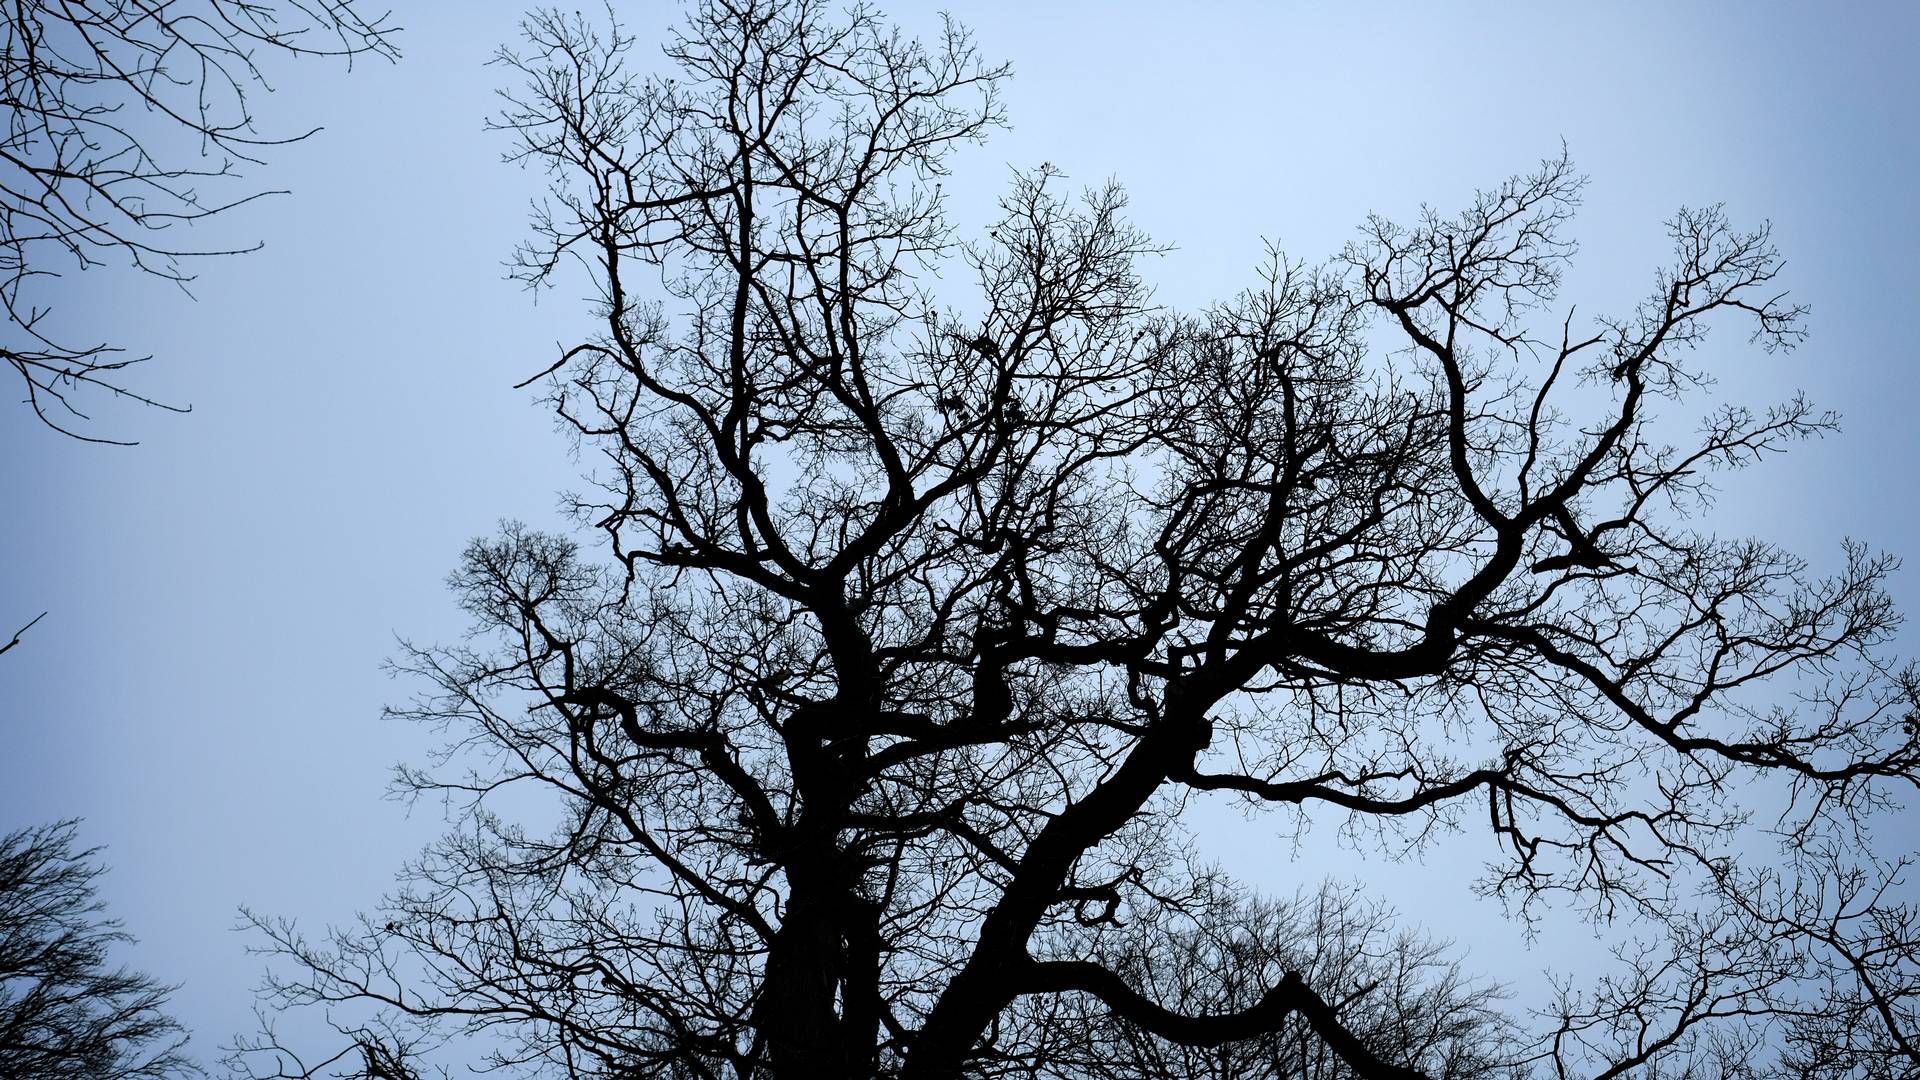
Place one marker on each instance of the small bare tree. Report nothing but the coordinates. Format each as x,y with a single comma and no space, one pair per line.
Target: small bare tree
869,738
124,124
65,1012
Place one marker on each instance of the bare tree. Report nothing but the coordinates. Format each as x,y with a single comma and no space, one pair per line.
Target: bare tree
64,1012
869,737
125,124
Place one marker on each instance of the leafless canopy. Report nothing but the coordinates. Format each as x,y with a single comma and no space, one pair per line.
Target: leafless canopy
65,1013
125,123
868,742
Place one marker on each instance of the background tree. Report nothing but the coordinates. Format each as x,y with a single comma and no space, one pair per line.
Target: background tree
865,749
64,1011
125,123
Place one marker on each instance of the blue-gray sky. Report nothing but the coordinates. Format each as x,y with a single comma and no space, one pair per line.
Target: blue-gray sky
206,689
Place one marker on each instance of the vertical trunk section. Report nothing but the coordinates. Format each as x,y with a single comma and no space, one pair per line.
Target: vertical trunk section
796,1013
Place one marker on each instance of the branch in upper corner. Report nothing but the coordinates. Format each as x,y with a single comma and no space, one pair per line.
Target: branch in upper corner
94,172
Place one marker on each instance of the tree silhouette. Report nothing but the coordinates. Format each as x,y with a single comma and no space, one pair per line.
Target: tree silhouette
64,1013
125,121
864,749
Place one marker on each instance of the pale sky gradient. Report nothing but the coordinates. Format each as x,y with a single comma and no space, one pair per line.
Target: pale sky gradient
206,690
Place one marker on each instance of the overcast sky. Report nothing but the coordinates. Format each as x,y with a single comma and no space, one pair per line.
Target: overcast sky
206,689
